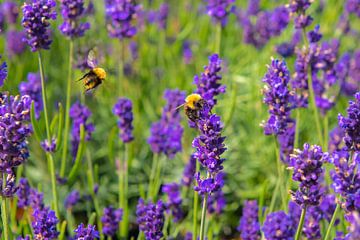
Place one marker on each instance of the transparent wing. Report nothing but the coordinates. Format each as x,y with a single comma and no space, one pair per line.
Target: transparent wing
92,59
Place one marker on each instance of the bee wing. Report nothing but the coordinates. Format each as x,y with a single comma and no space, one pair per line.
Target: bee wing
92,60
178,107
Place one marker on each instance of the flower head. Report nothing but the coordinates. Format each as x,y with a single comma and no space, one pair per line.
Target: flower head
123,109
32,88
72,11
86,233
110,220
278,225
8,189
172,190
187,52
11,11
72,199
249,226
219,10
299,7
44,224
37,14
3,72
14,42
348,71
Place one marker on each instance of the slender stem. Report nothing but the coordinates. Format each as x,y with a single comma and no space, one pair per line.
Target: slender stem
4,216
218,39
67,109
125,221
121,192
121,67
152,174
280,173
297,129
301,224
203,217
195,207
53,184
331,224
326,132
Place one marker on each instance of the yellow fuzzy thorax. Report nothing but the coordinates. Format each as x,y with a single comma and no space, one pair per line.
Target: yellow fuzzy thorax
192,99
100,73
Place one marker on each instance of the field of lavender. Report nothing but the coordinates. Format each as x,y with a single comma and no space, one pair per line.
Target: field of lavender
168,119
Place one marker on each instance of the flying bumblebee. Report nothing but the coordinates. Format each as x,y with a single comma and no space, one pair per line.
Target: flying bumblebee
192,106
95,76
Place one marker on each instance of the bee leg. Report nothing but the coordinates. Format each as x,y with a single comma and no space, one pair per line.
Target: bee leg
83,77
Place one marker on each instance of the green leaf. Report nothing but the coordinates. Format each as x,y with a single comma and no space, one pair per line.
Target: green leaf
34,123
92,219
80,152
62,230
60,127
53,123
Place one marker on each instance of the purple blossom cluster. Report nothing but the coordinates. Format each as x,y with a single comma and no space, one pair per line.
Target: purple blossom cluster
219,10
110,220
3,72
217,201
10,12
47,146
278,225
32,88
166,134
287,49
172,190
159,16
187,52
15,45
123,109
348,72
72,199
86,233
249,226
308,171
80,115
120,16
336,139
208,85
72,11
36,17
150,218
189,171
299,7
353,6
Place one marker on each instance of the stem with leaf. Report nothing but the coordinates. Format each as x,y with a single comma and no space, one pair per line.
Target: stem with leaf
4,216
301,224
203,217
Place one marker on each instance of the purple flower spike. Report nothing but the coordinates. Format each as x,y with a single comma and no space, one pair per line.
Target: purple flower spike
44,224
32,88
187,52
86,233
353,6
123,109
11,11
37,14
110,220
299,7
348,71
8,189
219,10
278,225
14,42
172,190
189,171
249,226
315,35
49,147
72,199
3,72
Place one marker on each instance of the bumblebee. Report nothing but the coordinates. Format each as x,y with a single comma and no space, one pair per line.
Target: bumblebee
192,106
95,76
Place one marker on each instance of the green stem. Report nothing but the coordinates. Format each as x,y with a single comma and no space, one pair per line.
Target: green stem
297,129
195,207
67,109
125,221
301,224
280,173
4,216
53,183
326,132
218,39
331,224
152,174
203,217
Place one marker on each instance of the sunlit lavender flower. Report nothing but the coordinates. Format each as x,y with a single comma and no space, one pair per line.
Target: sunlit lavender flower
86,233
3,72
299,7
121,15
44,224
10,10
166,134
72,199
123,109
187,52
348,71
150,218
110,220
172,190
307,165
189,171
49,146
219,10
8,189
36,23
351,124
249,226
278,97
14,42
335,141
14,129
72,11
80,114
278,225
32,88
208,85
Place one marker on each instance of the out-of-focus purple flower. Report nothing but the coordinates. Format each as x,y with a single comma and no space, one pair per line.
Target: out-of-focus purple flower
134,50
219,10
3,72
188,236
14,42
208,85
187,52
307,165
249,226
172,190
111,219
163,15
278,225
217,201
72,11
80,114
278,97
351,124
354,229
86,233
49,147
286,142
2,22
335,141
150,218
36,16
348,71
32,88
353,6
44,224
299,7
14,129
72,199
166,134
189,171
120,16
123,109
28,196
10,10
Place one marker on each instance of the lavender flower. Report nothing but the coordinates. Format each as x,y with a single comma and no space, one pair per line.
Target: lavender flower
86,233
36,23
307,165
72,199
8,189
150,218
28,196
123,109
166,134
278,225
314,35
278,97
11,11
120,16
32,88
249,226
348,71
110,220
49,146
163,15
216,202
219,10
172,190
189,171
335,141
299,7
353,6
72,11
351,124
3,72
44,224
207,83
286,142
14,42
80,114
354,229
187,52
